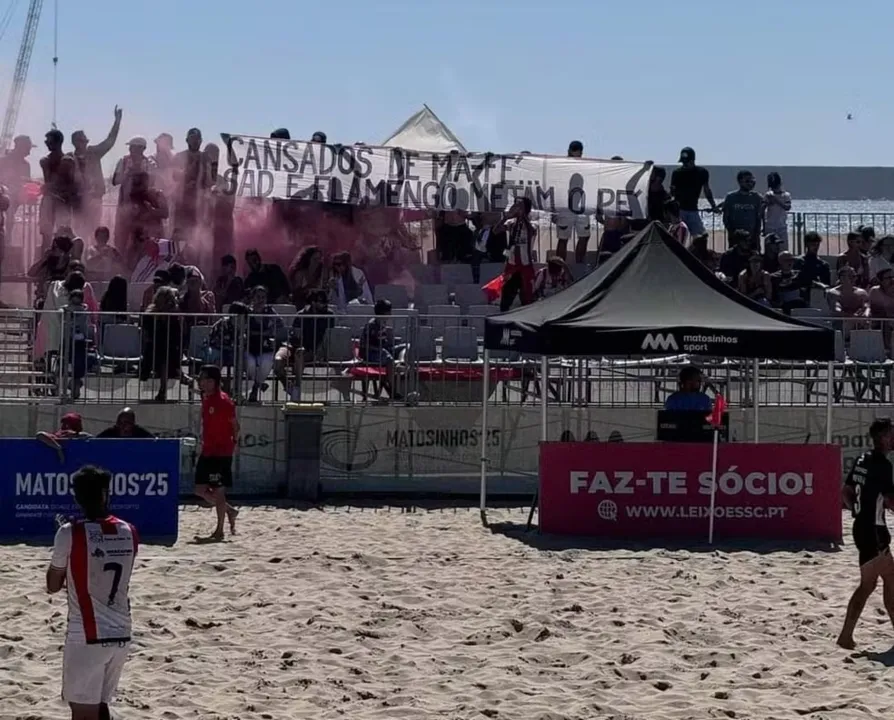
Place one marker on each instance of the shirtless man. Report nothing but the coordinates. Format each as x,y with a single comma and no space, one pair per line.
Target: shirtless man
868,490
94,558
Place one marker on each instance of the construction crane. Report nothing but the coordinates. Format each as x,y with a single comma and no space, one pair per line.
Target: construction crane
20,75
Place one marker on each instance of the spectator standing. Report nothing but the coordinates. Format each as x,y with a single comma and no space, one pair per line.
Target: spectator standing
263,325
454,239
742,209
222,201
126,427
228,288
776,207
77,332
163,162
192,176
144,213
810,265
489,246
737,258
687,184
60,201
847,298
788,285
113,304
93,184
269,276
306,343
569,222
675,224
867,238
881,256
754,281
881,297
518,273
162,278
348,284
97,641
689,397
855,258
162,341
553,278
658,196
131,165
15,170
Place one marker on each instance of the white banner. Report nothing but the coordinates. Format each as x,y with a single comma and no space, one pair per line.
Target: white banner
395,177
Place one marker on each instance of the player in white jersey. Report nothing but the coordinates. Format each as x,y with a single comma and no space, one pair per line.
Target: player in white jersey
93,558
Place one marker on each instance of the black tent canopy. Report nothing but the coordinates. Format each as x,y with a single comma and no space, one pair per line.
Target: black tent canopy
655,298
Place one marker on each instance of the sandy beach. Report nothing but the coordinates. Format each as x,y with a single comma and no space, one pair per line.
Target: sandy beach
388,614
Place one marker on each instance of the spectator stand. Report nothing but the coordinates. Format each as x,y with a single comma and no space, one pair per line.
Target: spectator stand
653,298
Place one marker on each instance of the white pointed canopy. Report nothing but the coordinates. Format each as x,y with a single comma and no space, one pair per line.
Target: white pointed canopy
425,131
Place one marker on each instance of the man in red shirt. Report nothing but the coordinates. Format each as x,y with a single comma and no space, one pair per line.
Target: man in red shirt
214,470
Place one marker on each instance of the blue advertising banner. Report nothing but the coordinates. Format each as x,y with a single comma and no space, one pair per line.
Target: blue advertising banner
35,485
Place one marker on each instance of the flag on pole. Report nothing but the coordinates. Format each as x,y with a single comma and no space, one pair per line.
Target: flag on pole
494,288
716,416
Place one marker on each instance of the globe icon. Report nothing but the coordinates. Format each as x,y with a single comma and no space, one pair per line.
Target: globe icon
607,510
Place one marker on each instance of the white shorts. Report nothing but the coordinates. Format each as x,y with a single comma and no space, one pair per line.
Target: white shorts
90,673
566,220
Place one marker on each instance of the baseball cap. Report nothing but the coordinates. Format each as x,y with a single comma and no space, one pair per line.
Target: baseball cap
138,141
72,421
687,153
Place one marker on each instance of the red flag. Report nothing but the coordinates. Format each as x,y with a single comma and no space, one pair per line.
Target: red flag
494,288
716,416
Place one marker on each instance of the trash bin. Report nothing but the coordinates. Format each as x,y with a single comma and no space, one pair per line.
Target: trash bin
304,429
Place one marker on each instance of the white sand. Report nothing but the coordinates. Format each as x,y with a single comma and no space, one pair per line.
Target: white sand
391,615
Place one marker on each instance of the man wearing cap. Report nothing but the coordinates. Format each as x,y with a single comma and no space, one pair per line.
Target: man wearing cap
687,183
93,185
132,164
71,427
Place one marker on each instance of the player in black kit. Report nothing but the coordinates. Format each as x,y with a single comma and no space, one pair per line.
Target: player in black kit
868,490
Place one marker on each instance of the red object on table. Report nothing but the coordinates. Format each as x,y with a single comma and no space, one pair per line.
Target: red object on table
631,490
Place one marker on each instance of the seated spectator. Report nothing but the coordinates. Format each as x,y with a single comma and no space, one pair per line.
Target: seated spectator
675,225
454,239
810,265
377,346
738,257
162,278
71,427
690,396
76,324
177,273
306,275
114,300
772,247
227,338
104,259
854,258
788,286
305,345
154,255
713,264
52,266
144,213
162,341
489,245
267,275
754,281
126,427
614,230
880,256
348,284
196,299
881,297
228,288
260,345
698,246
553,278
846,298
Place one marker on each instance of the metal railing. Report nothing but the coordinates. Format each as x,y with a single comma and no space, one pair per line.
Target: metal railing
63,356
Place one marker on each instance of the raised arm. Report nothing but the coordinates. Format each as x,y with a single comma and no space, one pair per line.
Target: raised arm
102,148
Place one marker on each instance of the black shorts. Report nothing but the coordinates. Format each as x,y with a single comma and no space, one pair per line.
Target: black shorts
214,471
871,542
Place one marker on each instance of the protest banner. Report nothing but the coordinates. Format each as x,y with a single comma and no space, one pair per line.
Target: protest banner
415,180
636,490
38,487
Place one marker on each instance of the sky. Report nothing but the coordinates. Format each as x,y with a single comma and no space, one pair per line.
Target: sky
760,82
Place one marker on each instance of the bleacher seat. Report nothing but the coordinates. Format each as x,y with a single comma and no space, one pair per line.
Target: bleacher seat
579,270
425,349
489,271
121,343
867,346
456,274
428,295
439,316
198,337
135,292
840,351
424,274
397,295
812,315
403,320
284,309
460,343
477,313
469,294
818,299
339,345
356,318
